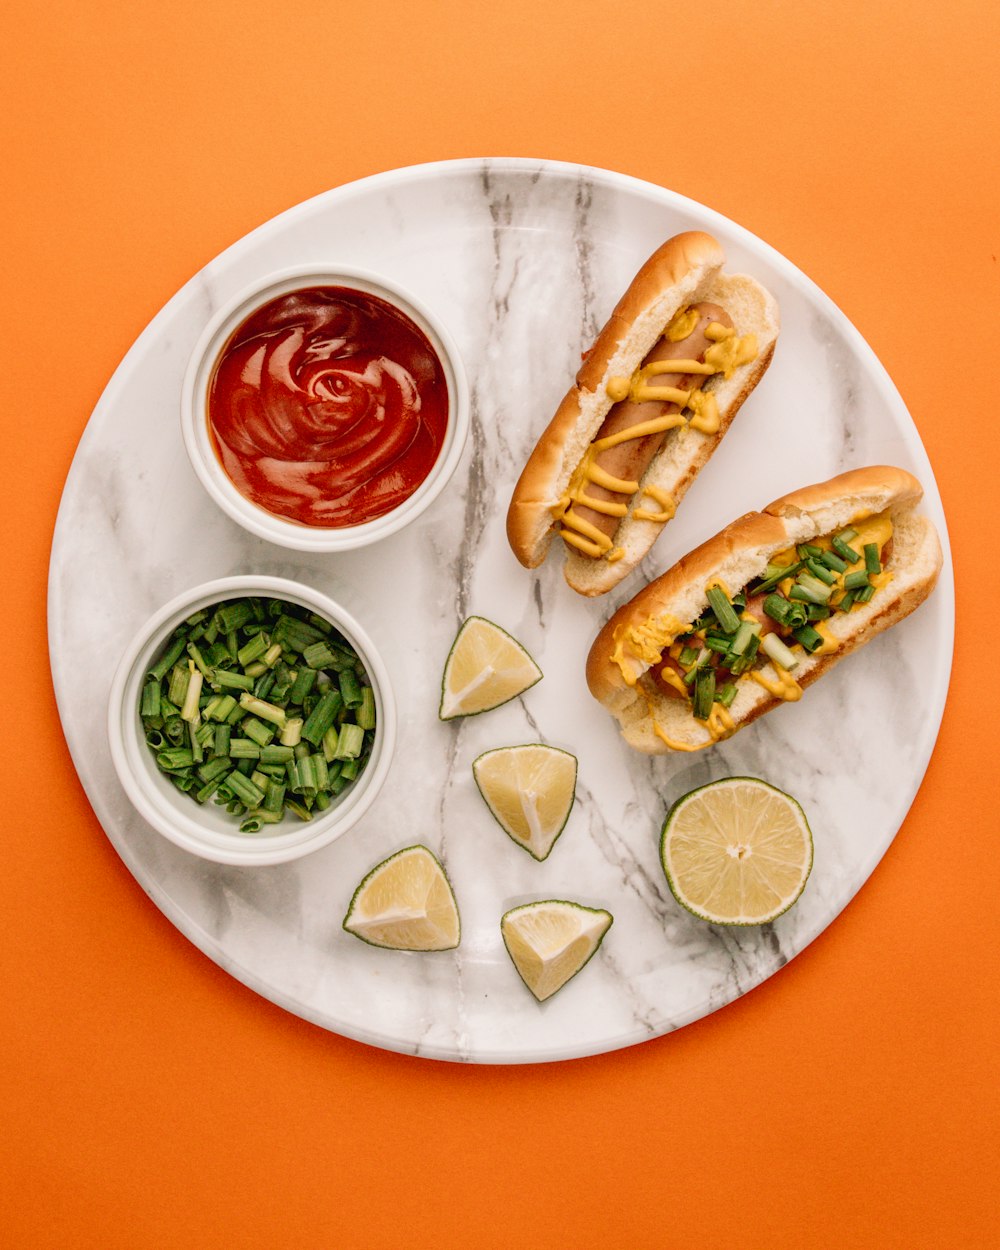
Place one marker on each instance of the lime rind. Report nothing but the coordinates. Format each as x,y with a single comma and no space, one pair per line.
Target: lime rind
678,894
442,715
377,870
538,905
510,834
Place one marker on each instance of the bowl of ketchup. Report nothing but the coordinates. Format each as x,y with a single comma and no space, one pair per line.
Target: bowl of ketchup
324,409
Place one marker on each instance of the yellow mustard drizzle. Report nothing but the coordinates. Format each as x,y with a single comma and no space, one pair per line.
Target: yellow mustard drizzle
830,644
681,325
666,501
647,641
705,412
785,687
727,352
719,725
673,678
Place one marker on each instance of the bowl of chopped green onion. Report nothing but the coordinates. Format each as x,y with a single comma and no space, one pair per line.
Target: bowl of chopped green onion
251,721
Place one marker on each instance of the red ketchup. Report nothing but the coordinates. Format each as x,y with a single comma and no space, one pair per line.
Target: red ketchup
328,407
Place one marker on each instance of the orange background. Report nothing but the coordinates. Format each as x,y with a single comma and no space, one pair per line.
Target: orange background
149,1099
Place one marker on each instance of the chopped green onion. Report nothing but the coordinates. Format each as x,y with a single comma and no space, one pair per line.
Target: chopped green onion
744,662
274,753
808,590
854,581
199,660
252,650
726,694
175,757
266,711
833,561
847,602
168,659
783,610
817,612
257,730
864,594
810,638
223,708
214,768
249,795
778,652
704,693
226,680
840,546
872,563
723,609
150,702
820,571
275,796
687,657
365,714
746,631
189,711
351,739
350,688
232,616
809,552
322,717
243,749
319,655
180,675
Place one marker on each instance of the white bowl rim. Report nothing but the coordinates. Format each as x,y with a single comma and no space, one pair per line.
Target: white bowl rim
194,428
170,817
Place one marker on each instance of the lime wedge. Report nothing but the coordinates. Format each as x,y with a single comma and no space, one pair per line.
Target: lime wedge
549,942
406,904
530,791
736,851
485,668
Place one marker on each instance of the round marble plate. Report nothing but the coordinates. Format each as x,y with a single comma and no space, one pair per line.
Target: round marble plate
523,260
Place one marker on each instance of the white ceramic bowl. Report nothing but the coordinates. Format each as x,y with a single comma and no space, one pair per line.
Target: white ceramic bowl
194,418
207,830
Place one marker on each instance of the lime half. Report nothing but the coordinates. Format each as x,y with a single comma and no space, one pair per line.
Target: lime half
406,904
736,851
530,791
549,942
485,668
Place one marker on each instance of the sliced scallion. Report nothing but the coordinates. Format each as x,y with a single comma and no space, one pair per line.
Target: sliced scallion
778,652
723,609
704,694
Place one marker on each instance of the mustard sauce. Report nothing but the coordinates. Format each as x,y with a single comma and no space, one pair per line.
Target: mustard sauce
666,501
784,687
727,351
646,642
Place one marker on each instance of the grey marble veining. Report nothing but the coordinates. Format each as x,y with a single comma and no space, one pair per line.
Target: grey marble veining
523,261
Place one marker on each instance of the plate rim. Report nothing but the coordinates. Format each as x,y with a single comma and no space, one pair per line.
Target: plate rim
539,168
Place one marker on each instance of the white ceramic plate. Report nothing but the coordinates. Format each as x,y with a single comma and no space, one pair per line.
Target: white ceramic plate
523,260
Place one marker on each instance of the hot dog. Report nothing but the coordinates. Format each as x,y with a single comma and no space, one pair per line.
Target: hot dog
666,376
756,614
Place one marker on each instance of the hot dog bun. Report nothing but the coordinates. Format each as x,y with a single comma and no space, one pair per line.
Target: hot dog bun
740,553
685,270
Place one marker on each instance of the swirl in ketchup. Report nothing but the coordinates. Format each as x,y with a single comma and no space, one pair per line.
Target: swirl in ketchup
328,407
